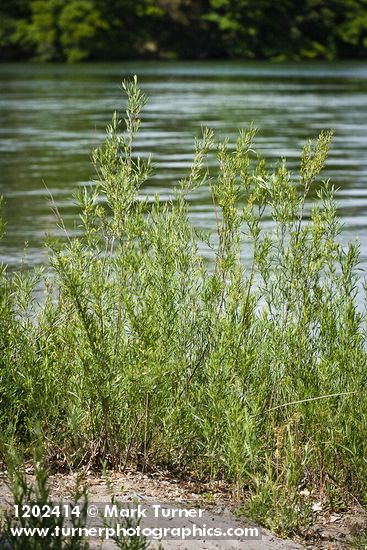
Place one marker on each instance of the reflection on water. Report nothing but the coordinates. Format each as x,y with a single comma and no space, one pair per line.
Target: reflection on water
53,116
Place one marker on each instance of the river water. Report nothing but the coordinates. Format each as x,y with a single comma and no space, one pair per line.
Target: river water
52,116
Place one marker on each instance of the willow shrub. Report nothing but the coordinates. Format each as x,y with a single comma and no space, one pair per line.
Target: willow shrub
143,354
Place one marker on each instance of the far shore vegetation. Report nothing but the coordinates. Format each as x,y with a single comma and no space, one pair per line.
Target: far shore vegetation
92,30
140,354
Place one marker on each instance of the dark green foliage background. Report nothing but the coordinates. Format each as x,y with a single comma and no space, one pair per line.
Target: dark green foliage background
76,30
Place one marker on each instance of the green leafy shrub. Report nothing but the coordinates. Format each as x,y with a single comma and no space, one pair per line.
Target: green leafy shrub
142,353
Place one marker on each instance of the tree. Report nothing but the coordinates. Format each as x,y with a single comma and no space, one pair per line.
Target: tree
76,30
14,43
44,29
82,30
